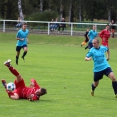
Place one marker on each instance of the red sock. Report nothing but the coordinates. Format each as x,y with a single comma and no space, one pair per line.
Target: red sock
13,71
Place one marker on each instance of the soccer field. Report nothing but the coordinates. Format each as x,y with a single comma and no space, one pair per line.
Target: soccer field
57,63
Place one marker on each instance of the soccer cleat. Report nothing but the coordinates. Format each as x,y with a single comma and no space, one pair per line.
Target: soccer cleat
17,61
23,58
7,63
107,59
4,83
17,57
86,47
92,92
115,95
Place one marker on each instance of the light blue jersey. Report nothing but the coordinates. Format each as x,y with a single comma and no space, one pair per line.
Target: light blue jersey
23,35
98,56
92,35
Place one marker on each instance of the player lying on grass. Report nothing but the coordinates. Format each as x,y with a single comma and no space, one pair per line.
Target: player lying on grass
101,66
22,91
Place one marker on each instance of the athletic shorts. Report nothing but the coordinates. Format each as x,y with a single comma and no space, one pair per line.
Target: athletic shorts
99,75
18,48
105,44
19,87
90,45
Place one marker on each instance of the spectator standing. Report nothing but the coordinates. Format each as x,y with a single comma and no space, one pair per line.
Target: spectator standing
113,28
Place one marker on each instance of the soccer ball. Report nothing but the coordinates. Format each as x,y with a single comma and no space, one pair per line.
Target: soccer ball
11,86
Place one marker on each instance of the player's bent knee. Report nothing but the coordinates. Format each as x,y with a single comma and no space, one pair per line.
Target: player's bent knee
113,79
96,84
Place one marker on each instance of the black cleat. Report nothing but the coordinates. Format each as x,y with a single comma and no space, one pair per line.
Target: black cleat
17,61
23,58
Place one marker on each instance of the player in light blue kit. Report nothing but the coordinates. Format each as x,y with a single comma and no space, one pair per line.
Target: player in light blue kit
22,40
92,35
101,66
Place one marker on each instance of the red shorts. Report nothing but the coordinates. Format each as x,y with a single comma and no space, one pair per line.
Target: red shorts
19,87
105,44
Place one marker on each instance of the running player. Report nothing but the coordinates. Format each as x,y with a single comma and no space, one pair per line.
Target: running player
101,66
86,38
22,91
22,37
92,35
104,35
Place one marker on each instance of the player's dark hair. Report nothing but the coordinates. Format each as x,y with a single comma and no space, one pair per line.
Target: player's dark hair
107,25
24,23
43,91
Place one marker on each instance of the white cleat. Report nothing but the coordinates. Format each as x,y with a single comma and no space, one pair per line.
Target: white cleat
7,63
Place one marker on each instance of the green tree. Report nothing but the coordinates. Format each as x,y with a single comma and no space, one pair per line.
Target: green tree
8,9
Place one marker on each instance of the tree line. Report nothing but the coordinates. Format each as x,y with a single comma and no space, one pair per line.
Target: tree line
72,10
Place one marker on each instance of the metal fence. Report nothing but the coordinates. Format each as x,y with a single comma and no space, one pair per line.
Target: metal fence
43,27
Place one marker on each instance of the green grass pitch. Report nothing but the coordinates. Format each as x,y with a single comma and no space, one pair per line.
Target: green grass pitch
57,63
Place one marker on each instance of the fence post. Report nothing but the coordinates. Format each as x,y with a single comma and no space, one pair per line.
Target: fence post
96,27
71,29
3,25
48,28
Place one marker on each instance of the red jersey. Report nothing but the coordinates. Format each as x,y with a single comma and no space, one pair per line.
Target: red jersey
24,91
29,91
104,35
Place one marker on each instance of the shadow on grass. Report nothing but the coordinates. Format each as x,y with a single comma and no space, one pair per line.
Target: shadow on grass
37,101
106,97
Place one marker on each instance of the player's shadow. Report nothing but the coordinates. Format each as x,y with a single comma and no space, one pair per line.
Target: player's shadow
36,101
106,98
41,101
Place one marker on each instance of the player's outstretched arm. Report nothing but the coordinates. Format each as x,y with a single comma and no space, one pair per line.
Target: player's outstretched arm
15,96
21,39
88,59
108,54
